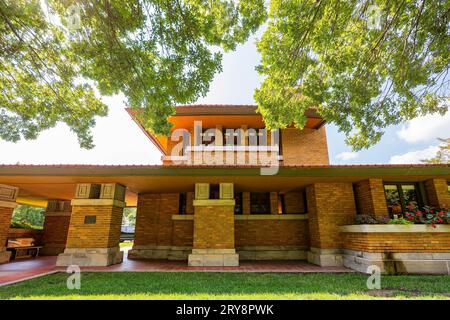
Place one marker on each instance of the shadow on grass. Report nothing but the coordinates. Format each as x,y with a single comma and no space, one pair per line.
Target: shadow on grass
173,285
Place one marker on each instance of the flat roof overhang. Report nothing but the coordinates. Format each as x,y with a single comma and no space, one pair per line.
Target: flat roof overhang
38,183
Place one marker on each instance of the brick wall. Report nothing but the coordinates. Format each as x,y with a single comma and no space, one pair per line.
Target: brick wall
104,233
154,218
437,192
329,205
5,222
371,198
214,227
304,147
271,233
183,233
397,242
294,202
56,229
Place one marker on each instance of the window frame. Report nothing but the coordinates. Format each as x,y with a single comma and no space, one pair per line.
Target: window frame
418,190
252,194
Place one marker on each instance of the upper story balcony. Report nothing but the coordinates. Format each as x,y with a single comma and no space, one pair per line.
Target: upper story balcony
236,135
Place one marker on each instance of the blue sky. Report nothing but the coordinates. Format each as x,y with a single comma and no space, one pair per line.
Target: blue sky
119,141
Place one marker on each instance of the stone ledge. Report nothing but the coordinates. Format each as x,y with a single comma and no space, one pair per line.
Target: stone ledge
271,217
182,217
325,257
398,263
98,202
89,257
213,202
251,217
213,260
391,228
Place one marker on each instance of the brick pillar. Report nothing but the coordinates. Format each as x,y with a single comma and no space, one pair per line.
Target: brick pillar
94,230
56,227
214,229
330,205
437,192
8,196
274,202
371,198
245,202
154,225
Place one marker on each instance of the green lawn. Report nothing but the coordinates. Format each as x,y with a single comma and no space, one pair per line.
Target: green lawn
190,285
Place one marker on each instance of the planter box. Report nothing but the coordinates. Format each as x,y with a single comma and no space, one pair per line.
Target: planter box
395,228
397,248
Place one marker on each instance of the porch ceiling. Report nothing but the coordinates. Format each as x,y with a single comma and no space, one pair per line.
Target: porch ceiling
39,183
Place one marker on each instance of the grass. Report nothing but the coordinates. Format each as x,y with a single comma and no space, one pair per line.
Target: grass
207,285
126,244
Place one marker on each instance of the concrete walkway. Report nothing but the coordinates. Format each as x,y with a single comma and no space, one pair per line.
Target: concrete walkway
21,270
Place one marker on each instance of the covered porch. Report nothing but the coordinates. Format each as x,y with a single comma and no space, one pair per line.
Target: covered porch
180,219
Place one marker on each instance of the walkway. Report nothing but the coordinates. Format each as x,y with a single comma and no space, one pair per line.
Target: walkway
30,268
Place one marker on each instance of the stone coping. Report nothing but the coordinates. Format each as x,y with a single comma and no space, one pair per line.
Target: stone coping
213,202
271,217
182,217
251,217
98,202
392,228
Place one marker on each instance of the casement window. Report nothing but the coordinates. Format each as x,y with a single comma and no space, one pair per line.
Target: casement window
214,191
182,204
399,195
238,209
260,203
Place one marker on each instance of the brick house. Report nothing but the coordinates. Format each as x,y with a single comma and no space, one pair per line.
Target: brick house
230,190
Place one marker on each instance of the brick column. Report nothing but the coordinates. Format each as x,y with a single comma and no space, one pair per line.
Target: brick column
330,205
214,229
56,227
245,202
371,198
437,192
274,202
8,196
154,225
94,230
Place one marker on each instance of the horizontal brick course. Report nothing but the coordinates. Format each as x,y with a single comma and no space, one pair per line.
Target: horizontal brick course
397,242
271,233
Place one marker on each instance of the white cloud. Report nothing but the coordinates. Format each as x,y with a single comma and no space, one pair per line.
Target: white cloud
117,139
414,156
425,129
344,156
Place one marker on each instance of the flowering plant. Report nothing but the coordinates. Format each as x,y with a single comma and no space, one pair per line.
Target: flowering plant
428,215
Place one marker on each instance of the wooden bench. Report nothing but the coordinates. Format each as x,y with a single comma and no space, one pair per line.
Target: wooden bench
22,248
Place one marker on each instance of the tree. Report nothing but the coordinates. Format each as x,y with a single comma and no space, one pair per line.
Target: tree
364,65
157,53
443,155
129,217
28,217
